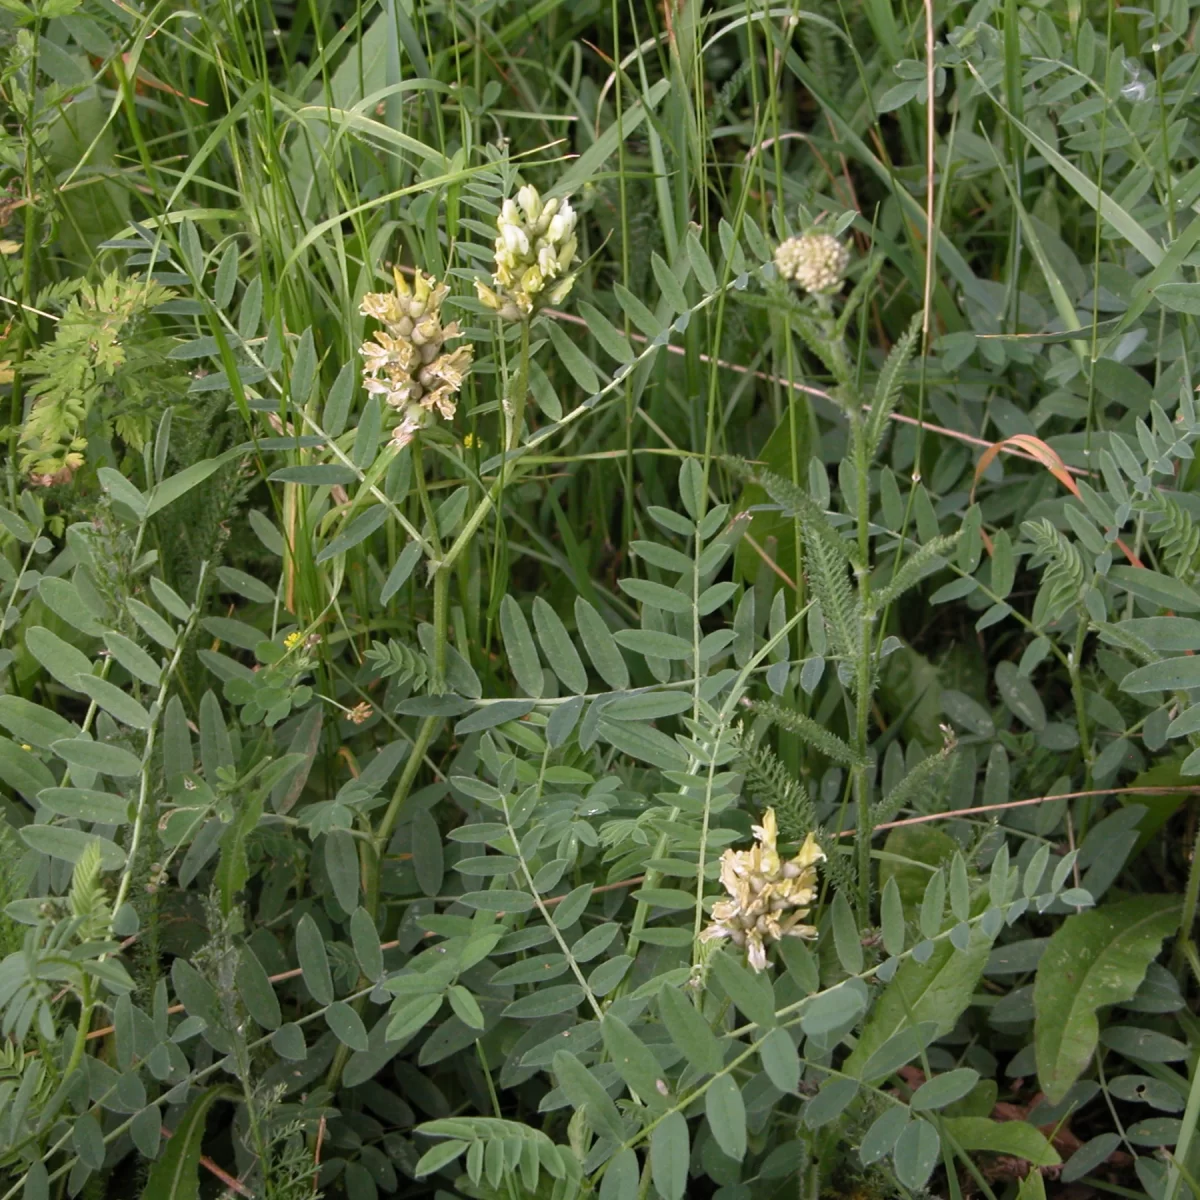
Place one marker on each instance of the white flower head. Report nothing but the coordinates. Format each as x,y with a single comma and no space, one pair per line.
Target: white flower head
530,202
814,262
535,250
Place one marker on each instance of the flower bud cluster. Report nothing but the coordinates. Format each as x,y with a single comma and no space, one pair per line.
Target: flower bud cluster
814,262
407,363
769,896
535,250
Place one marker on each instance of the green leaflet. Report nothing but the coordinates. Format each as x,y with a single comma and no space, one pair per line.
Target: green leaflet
937,991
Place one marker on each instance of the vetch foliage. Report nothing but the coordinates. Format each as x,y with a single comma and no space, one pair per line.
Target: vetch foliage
598,609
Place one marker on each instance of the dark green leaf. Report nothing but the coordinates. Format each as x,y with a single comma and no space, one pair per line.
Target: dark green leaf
347,1025
558,648
314,962
574,359
1017,1139
601,646
69,844
916,1153
845,936
64,662
726,1112
584,1091
256,990
892,917
670,1151
751,992
690,1031
634,1062
944,1089
518,645
22,770
341,864
781,1060
358,530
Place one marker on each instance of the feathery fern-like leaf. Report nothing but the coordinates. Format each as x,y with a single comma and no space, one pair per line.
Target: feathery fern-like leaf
1064,575
830,582
922,562
926,779
887,387
796,502
823,740
393,659
89,903
1178,535
769,783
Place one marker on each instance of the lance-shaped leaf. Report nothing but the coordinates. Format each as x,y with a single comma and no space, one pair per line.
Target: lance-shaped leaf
1095,958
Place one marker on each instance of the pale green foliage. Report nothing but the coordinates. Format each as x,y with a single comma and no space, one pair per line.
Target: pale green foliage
1063,576
381,797
395,660
88,901
100,367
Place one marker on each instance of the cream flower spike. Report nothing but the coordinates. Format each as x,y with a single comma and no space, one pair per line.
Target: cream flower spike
535,250
407,363
814,262
769,897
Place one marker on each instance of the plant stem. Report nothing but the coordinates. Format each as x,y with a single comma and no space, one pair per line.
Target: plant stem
423,491
143,803
862,697
372,850
87,1004
520,389
29,231
1191,897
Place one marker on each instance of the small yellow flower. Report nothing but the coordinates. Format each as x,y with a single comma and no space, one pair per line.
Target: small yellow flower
469,441
293,640
26,746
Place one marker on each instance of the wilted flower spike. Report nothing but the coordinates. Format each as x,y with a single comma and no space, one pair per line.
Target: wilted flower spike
535,249
768,896
405,364
814,262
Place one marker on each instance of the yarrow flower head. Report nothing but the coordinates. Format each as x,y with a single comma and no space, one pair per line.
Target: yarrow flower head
535,250
769,896
814,262
407,363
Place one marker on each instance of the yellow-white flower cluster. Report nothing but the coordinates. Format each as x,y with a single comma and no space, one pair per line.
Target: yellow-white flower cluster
769,896
407,363
814,262
535,250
